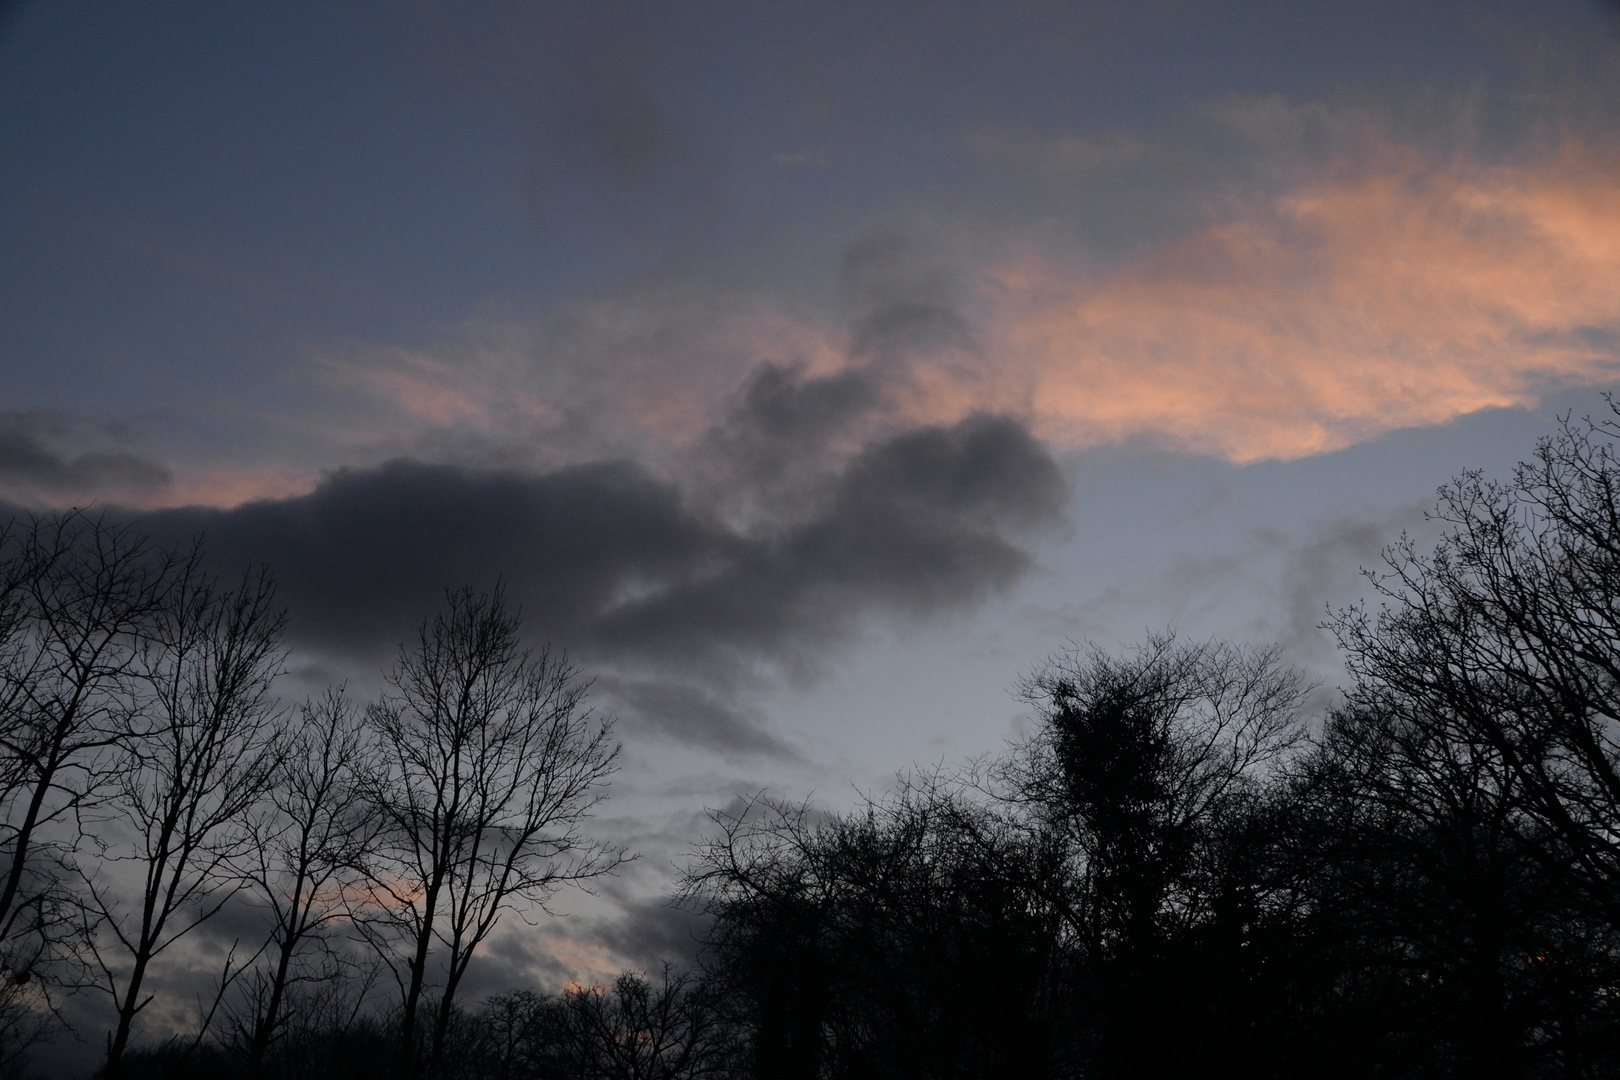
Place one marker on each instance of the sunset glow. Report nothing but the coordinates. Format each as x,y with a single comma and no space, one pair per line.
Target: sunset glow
1391,292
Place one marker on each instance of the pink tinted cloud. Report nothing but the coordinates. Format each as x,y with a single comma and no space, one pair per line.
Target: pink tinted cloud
228,487
223,487
1391,291
427,396
1392,288
644,375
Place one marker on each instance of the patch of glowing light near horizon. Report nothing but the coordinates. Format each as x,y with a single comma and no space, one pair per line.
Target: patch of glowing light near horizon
226,488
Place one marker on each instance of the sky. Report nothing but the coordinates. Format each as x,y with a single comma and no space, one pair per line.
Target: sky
808,372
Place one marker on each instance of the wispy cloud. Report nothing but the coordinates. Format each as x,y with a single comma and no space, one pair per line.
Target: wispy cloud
1390,287
1388,291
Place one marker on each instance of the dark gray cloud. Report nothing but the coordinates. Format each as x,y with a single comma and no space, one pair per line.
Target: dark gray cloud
32,460
915,524
650,933
616,566
778,434
370,551
693,713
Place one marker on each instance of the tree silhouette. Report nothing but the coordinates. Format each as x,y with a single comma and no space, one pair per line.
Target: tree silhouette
305,843
492,765
1511,626
78,599
199,754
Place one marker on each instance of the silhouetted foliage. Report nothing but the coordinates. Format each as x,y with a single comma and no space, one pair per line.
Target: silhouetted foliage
1185,883
1151,769
633,1030
890,942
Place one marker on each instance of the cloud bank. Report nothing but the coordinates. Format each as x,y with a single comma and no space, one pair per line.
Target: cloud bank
1390,287
620,567
1390,291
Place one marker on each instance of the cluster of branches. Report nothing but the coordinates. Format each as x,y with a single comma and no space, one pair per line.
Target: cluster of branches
635,1029
150,781
1181,873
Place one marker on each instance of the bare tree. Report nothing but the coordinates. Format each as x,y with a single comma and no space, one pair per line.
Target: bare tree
200,755
861,944
1510,627
310,834
638,1030
1141,756
77,594
492,765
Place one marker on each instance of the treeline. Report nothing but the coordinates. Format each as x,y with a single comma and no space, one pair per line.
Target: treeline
1181,874
151,785
1184,870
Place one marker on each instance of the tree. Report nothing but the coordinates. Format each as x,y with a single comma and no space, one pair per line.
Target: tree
1493,671
1152,769
1511,625
1431,890
303,846
78,596
634,1030
493,763
1142,757
862,945
200,753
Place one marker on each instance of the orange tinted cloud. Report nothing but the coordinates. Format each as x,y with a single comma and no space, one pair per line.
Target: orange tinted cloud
229,487
1392,288
633,375
224,487
1390,292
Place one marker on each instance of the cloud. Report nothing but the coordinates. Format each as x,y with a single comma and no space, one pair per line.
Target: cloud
782,432
1389,291
1056,156
690,714
58,459
226,486
650,933
1325,571
34,466
641,373
619,567
1384,287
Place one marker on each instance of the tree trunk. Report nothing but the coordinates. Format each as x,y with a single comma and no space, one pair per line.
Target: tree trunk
441,1027
126,1018
25,835
265,1030
413,994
